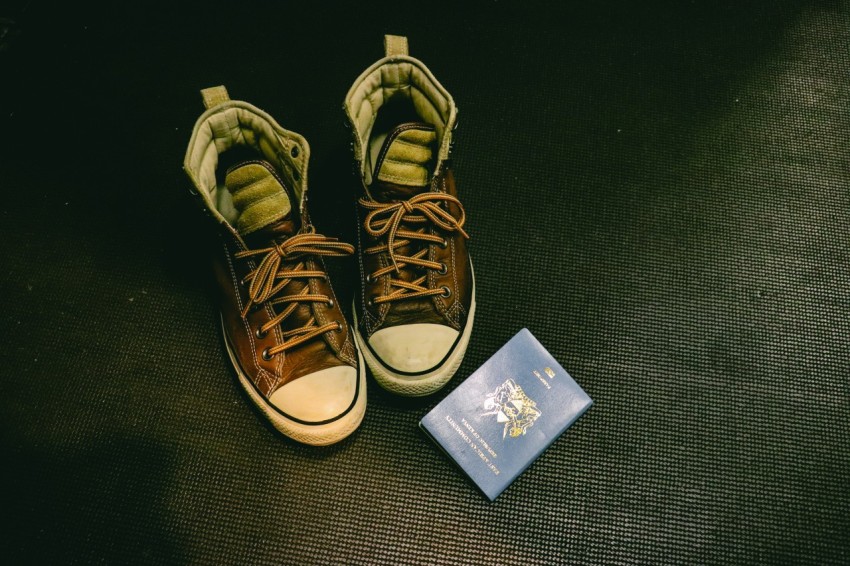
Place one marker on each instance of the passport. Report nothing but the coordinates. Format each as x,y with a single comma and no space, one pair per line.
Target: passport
503,416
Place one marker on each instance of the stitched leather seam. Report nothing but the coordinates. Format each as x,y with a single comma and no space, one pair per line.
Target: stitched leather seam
261,374
451,249
362,267
454,266
314,289
331,336
383,309
454,276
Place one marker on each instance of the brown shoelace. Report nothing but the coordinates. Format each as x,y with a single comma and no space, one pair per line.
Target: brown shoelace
272,275
385,219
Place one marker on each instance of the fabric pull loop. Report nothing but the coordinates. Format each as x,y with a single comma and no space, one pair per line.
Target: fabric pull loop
214,96
395,45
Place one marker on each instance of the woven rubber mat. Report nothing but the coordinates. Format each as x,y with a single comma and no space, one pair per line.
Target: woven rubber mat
658,191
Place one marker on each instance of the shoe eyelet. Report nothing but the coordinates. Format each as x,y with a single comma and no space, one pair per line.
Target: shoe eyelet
241,282
338,327
443,269
446,292
259,333
444,244
255,307
370,302
369,278
294,151
331,304
266,355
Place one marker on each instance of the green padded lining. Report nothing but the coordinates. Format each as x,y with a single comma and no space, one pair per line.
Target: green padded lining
408,160
258,197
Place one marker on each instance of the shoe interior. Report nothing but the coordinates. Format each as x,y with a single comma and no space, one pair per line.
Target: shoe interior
404,86
394,112
228,133
255,189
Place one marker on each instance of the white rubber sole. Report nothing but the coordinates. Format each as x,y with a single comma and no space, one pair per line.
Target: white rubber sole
315,435
417,385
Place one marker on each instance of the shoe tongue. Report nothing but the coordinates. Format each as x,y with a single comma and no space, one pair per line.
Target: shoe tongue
263,204
405,162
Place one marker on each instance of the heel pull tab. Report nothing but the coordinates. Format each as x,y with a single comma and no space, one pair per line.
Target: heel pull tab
395,45
214,96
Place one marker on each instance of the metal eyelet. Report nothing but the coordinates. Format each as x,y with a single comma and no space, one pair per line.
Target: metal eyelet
446,292
241,282
370,302
338,327
255,307
330,303
259,333
369,278
266,355
294,151
444,244
443,269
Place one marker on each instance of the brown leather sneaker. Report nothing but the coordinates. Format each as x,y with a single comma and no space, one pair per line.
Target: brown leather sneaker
417,294
283,330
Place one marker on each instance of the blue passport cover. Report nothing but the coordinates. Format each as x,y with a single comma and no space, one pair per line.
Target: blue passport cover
498,421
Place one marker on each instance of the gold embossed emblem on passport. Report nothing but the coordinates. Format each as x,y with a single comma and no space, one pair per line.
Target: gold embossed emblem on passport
513,407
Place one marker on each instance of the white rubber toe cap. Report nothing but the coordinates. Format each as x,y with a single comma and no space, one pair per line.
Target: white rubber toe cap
319,396
413,348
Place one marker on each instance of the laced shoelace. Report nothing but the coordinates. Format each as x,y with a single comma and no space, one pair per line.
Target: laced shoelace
272,275
385,219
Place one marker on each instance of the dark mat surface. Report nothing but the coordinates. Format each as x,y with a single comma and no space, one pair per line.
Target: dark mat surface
659,192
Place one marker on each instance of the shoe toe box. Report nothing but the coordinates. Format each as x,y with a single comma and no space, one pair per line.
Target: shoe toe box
318,397
413,348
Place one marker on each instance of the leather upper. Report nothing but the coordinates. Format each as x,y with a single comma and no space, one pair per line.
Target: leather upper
451,310
329,350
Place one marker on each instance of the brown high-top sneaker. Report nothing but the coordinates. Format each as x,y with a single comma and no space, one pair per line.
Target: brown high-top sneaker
416,305
283,329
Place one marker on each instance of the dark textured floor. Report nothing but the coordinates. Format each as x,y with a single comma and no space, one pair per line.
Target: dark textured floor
659,191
